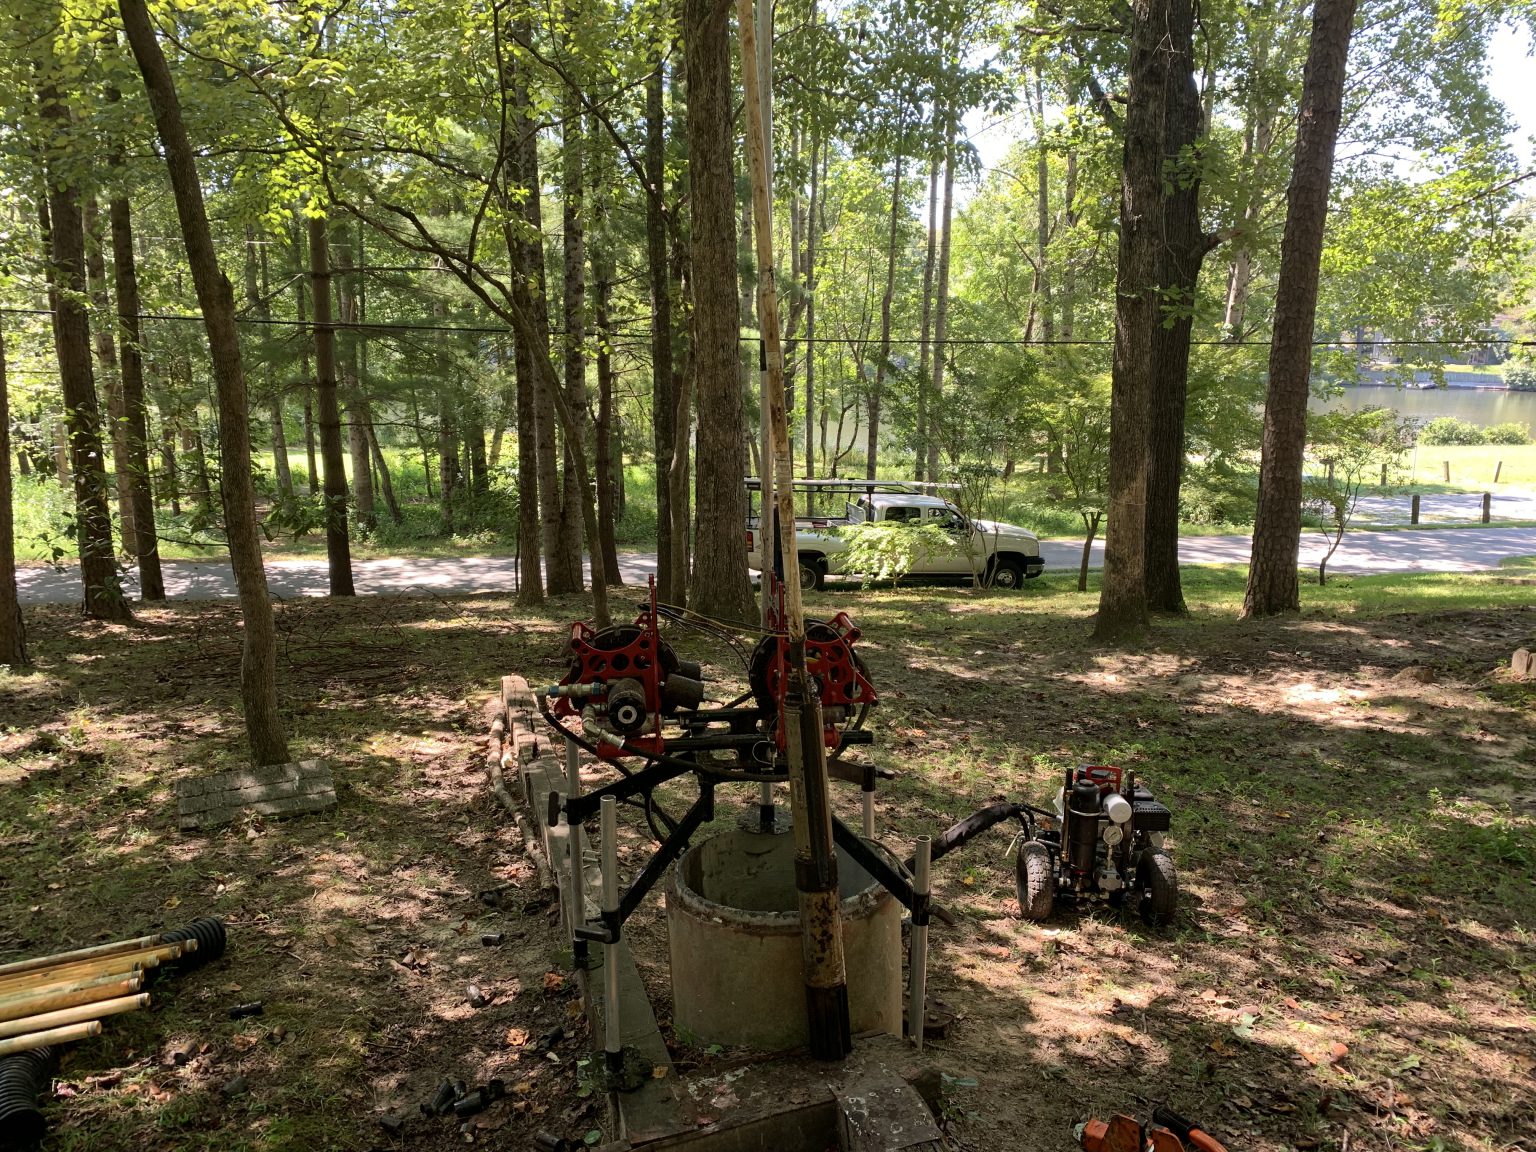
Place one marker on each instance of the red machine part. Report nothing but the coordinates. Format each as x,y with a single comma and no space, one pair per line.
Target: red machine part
831,662
626,652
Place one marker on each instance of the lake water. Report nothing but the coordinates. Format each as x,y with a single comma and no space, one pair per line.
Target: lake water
1475,405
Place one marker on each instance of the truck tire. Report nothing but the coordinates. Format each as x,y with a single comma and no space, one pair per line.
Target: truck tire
1007,574
1158,882
813,573
1036,881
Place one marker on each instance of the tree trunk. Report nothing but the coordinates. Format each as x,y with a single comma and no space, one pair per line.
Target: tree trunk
1184,249
720,587
381,466
668,581
350,316
530,551
256,291
1082,568
1043,219
1123,597
202,483
812,235
338,548
13,632
170,480
126,289
925,347
941,293
602,278
872,433
447,457
1272,581
258,665
106,357
305,337
104,598
573,344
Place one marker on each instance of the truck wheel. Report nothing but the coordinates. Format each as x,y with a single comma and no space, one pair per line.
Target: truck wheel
1006,574
1158,881
813,573
1036,881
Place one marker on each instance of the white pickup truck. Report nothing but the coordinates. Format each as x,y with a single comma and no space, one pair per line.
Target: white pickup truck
1005,555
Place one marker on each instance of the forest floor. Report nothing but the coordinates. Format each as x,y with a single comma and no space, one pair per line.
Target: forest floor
1353,966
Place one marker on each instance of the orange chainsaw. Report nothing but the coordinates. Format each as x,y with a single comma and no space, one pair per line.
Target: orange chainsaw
1168,1132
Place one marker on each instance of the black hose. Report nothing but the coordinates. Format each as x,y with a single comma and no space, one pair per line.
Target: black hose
24,1077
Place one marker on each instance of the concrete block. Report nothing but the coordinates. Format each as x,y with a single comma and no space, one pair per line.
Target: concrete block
271,790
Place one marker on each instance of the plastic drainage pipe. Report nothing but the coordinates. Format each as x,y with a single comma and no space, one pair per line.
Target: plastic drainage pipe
23,1078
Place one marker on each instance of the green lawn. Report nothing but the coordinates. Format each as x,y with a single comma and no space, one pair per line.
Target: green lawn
1472,466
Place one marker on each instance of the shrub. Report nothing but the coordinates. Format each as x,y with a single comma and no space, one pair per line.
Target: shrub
1509,432
1519,375
1450,430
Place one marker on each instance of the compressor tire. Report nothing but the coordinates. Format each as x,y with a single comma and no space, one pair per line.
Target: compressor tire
1159,884
1037,882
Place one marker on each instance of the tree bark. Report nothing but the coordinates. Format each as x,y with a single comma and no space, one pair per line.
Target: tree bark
812,235
338,548
256,289
573,345
381,466
1184,249
305,337
600,251
941,294
720,587
13,631
104,598
106,357
1123,597
872,406
350,315
925,347
1273,586
216,298
126,289
668,581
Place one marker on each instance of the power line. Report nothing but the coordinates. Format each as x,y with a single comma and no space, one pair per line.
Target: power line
963,341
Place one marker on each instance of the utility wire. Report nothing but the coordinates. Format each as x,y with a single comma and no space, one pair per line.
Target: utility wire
970,341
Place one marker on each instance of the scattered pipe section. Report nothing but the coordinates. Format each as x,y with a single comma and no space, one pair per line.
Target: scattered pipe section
613,1042
24,1077
918,990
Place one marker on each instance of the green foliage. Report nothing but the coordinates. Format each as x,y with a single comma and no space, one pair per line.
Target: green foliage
889,549
1450,430
1519,375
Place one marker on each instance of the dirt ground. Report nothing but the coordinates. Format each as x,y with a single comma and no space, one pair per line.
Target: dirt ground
1354,820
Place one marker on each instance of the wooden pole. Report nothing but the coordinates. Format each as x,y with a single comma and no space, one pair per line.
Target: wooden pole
67,996
65,1035
79,1014
113,949
826,988
123,965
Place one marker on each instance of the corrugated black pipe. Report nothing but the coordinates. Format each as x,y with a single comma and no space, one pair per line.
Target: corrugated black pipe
208,931
23,1078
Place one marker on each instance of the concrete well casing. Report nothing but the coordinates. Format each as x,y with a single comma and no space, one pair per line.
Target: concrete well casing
733,930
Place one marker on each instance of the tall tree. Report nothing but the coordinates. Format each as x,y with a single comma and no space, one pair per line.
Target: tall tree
258,293
216,298
1123,598
338,547
125,277
1273,585
13,632
720,587
103,592
573,345
882,362
668,582
1184,247
106,359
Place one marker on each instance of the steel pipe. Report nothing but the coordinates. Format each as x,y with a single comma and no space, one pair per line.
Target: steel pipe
613,1039
917,989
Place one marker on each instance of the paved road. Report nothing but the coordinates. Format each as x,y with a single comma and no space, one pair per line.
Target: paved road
1450,507
1458,550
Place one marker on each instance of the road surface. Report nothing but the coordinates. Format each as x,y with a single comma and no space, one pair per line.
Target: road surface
1443,550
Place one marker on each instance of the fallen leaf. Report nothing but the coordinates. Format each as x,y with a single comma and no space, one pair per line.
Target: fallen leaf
1338,1051
659,1072
554,981
173,902
517,1037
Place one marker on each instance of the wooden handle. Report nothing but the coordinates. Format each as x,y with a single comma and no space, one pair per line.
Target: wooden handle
52,997
65,1035
77,1015
58,958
